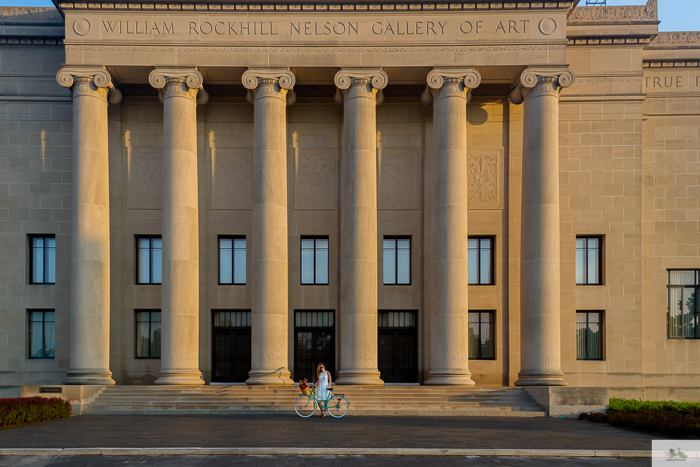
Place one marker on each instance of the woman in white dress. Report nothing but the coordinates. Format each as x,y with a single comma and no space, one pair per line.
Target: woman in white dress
323,382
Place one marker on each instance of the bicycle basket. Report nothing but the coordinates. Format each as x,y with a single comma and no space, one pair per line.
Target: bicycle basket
306,391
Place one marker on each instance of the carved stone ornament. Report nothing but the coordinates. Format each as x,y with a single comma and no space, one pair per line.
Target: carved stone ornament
281,77
585,14
678,38
94,77
191,77
470,77
531,77
376,78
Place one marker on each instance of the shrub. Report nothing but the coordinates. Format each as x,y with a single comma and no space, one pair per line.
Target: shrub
22,410
680,420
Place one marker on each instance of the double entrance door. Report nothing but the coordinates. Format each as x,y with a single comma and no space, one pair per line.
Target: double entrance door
231,354
314,343
398,346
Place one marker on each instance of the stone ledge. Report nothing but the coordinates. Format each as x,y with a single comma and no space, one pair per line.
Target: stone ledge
78,396
569,401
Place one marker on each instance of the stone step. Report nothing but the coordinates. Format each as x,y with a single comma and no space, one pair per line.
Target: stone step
352,412
366,400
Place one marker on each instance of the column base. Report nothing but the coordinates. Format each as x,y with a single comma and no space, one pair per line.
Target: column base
541,378
359,377
279,377
180,377
89,378
449,378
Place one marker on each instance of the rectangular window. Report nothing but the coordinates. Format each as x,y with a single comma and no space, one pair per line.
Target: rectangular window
314,261
481,260
232,260
397,261
481,330
589,335
42,334
589,266
683,308
42,259
149,260
147,333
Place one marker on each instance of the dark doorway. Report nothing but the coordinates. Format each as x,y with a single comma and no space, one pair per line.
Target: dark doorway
314,333
398,346
231,359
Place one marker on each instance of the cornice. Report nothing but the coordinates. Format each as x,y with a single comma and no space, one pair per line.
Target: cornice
24,41
615,14
617,40
665,64
357,5
10,15
677,39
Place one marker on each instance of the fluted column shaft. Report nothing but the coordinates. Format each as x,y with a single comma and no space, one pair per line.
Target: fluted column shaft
540,239
269,320
449,300
180,288
89,272
358,240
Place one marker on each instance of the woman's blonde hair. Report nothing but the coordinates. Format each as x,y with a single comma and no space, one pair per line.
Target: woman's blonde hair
318,371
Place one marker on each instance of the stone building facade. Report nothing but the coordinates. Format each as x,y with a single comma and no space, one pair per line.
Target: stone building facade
243,190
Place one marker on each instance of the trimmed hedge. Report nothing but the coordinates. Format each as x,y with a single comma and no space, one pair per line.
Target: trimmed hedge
678,420
23,410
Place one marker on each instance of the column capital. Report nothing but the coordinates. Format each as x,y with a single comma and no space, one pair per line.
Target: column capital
536,81
356,82
89,80
343,79
462,79
181,81
261,82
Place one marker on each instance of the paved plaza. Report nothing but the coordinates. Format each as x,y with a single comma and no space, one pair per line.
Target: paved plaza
290,431
311,461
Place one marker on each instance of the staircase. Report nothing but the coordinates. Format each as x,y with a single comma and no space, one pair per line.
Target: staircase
364,400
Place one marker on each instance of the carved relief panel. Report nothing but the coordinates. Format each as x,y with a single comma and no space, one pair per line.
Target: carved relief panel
485,178
231,178
399,178
145,185
315,178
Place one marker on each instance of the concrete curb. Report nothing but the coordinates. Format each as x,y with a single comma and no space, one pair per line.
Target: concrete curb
335,451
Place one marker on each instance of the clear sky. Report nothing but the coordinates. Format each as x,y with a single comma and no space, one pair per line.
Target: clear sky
675,15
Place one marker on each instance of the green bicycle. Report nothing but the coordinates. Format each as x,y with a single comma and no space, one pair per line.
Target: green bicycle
336,404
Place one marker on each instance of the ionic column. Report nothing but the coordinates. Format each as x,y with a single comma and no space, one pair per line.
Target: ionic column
449,91
181,92
358,238
269,91
540,362
89,271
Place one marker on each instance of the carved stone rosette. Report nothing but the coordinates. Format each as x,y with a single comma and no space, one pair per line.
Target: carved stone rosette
541,81
446,82
275,82
180,82
89,81
360,82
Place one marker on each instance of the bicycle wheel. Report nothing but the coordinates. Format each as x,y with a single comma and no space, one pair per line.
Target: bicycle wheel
338,406
305,406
